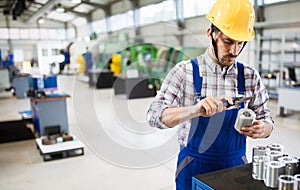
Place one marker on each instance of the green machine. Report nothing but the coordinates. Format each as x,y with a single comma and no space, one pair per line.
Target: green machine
139,56
167,58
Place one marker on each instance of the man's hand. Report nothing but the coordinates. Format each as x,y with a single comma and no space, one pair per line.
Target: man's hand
259,129
211,105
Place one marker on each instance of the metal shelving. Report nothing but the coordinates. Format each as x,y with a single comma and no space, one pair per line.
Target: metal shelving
276,56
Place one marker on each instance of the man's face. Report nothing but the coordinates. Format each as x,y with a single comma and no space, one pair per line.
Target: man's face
228,49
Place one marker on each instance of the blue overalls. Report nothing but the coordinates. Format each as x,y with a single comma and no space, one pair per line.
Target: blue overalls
213,142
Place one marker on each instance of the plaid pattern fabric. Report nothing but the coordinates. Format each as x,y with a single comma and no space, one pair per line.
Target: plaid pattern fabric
178,90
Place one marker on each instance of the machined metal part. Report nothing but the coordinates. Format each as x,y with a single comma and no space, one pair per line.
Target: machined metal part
259,151
258,167
297,182
273,170
291,165
273,155
275,146
286,182
245,117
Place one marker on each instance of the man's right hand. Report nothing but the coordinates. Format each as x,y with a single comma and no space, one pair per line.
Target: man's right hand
211,105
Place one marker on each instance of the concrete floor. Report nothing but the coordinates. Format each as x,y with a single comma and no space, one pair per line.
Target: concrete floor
121,152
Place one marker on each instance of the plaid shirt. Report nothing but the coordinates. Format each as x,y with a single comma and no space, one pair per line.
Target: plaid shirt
178,90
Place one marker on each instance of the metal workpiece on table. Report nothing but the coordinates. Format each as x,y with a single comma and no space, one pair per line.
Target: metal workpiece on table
273,170
286,182
273,155
258,167
291,164
259,151
276,147
297,182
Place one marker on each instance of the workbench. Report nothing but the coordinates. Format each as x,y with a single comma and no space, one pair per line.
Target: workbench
239,177
49,111
60,150
101,78
288,99
137,87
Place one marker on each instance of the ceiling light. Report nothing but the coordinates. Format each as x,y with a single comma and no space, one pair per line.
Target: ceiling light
59,8
75,1
41,21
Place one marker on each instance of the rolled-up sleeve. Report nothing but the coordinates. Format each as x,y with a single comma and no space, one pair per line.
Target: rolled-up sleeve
261,100
169,95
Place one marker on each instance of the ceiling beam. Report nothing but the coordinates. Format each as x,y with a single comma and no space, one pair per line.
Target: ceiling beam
49,5
95,4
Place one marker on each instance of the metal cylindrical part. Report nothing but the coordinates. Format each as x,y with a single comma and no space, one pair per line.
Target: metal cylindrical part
286,182
245,118
291,165
275,146
297,182
259,151
273,155
273,170
258,167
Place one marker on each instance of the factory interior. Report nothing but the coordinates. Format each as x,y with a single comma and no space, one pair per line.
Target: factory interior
77,78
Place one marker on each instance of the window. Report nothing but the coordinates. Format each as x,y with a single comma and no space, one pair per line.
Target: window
99,26
121,21
24,33
164,11
34,33
193,8
55,51
14,33
44,34
4,33
45,52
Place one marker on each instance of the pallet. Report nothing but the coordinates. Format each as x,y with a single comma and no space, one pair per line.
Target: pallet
60,150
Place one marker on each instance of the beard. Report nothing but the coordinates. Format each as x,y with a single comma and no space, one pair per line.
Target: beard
228,59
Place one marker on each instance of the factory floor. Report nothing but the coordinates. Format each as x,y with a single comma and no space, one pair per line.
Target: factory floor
121,150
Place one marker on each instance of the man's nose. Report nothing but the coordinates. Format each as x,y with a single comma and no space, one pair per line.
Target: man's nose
234,49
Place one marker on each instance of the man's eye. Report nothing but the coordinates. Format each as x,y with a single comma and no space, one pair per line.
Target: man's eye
228,41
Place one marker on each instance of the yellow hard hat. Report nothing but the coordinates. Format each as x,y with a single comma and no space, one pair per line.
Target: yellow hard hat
235,18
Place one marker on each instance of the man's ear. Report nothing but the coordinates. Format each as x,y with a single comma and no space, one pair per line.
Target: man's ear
208,31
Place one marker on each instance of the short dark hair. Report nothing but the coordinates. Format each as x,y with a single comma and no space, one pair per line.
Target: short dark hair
213,29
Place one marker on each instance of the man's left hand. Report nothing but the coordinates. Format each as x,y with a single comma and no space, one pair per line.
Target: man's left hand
259,129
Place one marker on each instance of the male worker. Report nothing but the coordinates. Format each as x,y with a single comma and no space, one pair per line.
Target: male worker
192,95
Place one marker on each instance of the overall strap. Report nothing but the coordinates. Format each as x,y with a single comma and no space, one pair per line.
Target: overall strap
241,80
196,77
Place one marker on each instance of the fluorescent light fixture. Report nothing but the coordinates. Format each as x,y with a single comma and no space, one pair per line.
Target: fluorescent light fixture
59,9
41,21
75,1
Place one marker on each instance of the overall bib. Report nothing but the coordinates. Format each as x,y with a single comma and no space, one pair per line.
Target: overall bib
213,142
